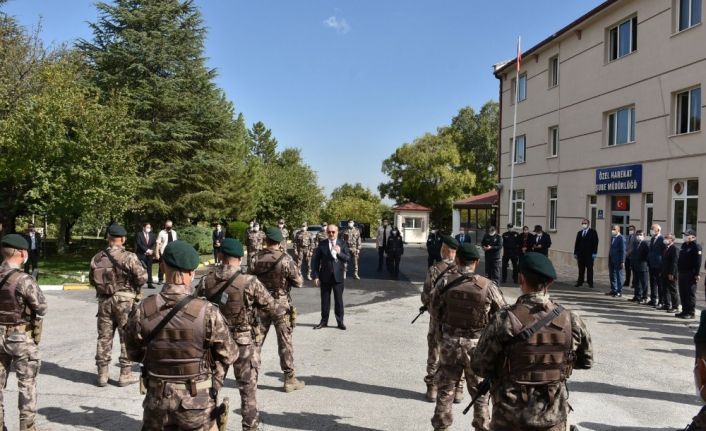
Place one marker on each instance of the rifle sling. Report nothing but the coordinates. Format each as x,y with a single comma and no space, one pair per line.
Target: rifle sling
462,279
272,267
218,294
181,304
115,263
7,277
525,334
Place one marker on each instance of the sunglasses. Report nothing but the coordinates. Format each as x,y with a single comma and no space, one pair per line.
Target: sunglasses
330,231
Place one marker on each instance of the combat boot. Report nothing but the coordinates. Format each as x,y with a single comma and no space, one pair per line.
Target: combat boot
127,377
24,426
431,393
102,375
291,383
458,394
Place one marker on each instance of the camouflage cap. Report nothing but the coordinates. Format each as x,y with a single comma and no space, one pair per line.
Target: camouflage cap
451,242
116,230
273,234
232,247
538,264
467,251
181,255
15,241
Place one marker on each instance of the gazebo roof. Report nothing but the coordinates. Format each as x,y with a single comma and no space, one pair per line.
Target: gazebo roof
411,206
485,200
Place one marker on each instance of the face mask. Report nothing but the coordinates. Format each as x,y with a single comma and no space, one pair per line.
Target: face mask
351,224
492,232
218,228
148,229
631,232
169,228
640,237
280,226
256,228
584,226
26,258
613,233
652,232
251,225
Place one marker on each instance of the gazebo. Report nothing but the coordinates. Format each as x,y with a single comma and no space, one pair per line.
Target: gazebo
412,220
476,213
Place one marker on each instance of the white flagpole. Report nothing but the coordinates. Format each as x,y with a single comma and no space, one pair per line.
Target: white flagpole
510,213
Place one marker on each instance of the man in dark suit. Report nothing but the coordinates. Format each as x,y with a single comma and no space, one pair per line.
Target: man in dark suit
542,241
327,265
34,239
638,260
585,251
144,247
670,274
655,263
616,262
218,236
464,236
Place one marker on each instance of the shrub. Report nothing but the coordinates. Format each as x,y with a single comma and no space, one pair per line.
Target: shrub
237,230
198,236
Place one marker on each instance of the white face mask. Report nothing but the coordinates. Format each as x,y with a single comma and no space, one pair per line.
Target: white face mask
584,226
492,232
351,224
613,233
280,226
640,237
652,232
218,228
256,228
148,229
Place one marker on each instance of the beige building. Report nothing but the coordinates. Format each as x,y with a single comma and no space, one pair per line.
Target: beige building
412,220
608,124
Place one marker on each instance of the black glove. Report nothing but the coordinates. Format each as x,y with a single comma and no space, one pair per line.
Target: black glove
213,393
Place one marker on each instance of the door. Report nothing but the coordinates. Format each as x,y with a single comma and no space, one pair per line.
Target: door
622,219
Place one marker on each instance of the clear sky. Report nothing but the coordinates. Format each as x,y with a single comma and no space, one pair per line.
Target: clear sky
348,81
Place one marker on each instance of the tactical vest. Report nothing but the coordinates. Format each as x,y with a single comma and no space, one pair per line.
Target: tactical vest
303,239
465,304
545,357
269,274
10,311
106,278
179,349
234,309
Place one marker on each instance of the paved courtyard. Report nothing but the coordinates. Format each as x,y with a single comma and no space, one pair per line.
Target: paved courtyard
370,376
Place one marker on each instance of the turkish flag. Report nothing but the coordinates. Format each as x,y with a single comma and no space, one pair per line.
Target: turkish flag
621,203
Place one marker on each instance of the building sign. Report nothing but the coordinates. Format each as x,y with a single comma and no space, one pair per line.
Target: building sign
620,179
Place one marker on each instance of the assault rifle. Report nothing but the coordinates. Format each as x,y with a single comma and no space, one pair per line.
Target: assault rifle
483,389
422,309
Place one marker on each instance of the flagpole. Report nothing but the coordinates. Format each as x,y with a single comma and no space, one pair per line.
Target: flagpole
510,213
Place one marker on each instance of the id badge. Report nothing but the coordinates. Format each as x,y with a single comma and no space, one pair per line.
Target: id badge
224,298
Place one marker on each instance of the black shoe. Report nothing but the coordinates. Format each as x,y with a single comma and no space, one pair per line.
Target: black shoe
341,326
685,316
321,325
150,286
651,303
591,286
626,284
679,314
672,310
642,302
578,284
664,307
617,295
634,299
611,293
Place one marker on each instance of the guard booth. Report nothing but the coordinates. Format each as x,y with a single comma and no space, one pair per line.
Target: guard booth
477,213
413,222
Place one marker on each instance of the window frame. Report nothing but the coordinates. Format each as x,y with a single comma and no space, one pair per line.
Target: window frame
554,141
553,71
648,199
593,209
553,213
614,34
413,219
613,129
524,149
523,77
684,197
518,206
690,18
677,110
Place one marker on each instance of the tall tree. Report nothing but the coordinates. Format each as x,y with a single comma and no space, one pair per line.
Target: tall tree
262,144
152,52
428,171
353,201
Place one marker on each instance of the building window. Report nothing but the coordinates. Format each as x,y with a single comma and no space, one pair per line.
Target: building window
621,126
623,39
522,93
689,13
520,149
593,210
413,222
688,115
554,141
685,204
553,208
518,208
649,209
554,71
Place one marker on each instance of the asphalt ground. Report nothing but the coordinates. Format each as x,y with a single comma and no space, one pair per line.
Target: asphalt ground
370,376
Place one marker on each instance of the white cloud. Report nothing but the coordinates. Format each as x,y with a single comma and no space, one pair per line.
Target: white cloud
338,24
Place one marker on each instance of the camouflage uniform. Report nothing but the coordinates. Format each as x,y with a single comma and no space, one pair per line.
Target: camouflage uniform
16,344
530,407
285,236
302,250
436,270
351,235
321,236
244,294
183,373
115,305
254,242
457,345
278,279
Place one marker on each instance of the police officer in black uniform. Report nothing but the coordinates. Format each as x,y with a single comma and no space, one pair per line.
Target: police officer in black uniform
689,264
492,244
511,252
434,242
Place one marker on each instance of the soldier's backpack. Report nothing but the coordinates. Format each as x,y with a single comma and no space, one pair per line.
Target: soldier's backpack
107,274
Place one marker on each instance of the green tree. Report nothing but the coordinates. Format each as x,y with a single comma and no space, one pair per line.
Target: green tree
476,137
262,144
192,152
428,171
353,201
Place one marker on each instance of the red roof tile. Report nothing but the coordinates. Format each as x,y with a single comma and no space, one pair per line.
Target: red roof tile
410,206
488,198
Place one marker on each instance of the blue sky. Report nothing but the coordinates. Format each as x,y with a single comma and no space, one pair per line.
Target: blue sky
348,81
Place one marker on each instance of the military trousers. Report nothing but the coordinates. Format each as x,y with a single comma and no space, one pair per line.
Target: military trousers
433,353
112,315
455,355
284,337
303,256
169,408
355,258
19,349
246,370
563,426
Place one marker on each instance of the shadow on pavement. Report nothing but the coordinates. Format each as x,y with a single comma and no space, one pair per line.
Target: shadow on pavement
106,420
606,388
308,421
603,427
684,352
336,383
76,376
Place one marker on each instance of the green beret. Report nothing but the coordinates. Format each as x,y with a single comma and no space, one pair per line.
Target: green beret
181,255
467,251
232,247
17,241
274,234
700,336
538,264
116,230
451,242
